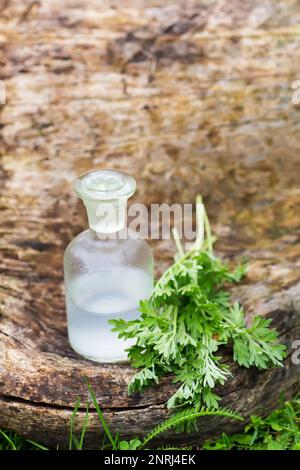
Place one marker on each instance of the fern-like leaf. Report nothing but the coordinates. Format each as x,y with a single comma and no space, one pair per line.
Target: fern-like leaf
185,416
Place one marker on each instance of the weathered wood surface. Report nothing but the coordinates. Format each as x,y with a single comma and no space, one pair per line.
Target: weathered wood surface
190,97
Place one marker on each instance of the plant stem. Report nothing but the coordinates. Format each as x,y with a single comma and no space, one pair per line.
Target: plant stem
177,242
208,234
200,219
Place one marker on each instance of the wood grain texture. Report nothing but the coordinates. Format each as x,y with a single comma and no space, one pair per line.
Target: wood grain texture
189,97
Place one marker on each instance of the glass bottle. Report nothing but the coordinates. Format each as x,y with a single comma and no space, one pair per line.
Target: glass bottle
107,268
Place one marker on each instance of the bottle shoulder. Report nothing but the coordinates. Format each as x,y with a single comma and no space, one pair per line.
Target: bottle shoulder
78,239
89,249
89,240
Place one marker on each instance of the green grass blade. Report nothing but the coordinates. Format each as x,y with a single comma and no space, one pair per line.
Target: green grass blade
86,418
8,439
72,420
101,418
37,445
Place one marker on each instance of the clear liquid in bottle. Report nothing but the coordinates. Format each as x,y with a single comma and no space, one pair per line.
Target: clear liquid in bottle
94,300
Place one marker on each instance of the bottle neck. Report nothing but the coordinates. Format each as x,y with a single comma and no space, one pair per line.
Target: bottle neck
107,217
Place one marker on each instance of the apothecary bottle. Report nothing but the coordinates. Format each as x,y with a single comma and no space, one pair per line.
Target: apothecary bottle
107,268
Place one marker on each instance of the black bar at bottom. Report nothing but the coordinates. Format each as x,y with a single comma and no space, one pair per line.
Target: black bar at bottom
131,459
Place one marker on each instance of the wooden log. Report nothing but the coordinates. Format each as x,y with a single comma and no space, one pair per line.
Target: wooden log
190,97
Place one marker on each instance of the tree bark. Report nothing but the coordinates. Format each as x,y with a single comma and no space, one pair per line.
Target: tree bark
189,97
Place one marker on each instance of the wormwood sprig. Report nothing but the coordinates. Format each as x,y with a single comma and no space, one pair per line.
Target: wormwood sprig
186,321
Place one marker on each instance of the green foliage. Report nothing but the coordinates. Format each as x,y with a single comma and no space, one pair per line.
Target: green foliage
186,322
183,327
184,417
101,418
133,444
10,440
279,431
72,438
